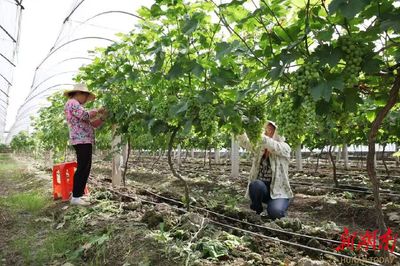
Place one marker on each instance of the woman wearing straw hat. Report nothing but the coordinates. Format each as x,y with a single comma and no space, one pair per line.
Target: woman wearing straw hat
81,125
269,179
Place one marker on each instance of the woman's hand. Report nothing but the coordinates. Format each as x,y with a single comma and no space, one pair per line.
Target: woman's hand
102,110
103,113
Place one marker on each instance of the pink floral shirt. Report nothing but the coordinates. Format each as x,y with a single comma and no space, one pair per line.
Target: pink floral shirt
80,129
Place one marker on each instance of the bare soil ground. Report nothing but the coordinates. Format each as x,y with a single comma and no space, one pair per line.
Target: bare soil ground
35,230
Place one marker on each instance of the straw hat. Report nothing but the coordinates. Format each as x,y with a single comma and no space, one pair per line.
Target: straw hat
82,88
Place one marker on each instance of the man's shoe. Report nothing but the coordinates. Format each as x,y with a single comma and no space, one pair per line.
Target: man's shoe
79,202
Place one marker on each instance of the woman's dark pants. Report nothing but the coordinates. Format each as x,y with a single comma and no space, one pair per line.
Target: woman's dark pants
84,159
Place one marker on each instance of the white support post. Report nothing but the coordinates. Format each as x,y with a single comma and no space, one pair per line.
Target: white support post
192,153
217,155
339,154
50,160
116,161
362,157
345,157
299,163
235,158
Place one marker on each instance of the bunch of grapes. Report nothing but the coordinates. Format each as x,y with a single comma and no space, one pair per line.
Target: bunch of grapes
256,119
207,114
288,118
293,120
353,56
308,105
303,76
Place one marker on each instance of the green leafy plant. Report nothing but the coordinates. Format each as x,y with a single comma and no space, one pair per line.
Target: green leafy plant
51,130
162,235
22,142
211,248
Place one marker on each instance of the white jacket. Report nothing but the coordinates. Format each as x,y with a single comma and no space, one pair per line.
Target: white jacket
279,158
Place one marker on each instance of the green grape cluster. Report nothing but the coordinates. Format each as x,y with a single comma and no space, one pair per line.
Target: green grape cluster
353,56
288,119
256,119
303,76
308,105
292,121
161,105
207,115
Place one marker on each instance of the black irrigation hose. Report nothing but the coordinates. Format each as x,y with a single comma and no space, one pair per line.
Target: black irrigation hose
341,180
245,222
272,239
349,188
312,173
252,224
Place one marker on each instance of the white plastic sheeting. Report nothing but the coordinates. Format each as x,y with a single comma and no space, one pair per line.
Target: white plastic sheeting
87,25
10,18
